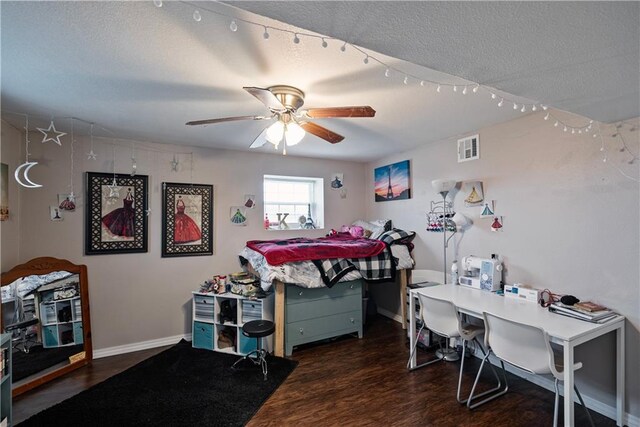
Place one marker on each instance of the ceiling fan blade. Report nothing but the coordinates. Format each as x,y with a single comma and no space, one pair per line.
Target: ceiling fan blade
226,119
266,97
322,113
260,139
322,132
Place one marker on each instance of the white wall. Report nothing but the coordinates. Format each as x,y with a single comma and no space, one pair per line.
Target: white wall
10,229
140,297
571,224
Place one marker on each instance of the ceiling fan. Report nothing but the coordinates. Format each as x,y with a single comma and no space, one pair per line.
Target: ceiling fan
291,123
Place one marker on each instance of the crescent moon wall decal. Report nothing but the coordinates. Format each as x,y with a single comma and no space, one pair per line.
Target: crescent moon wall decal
22,177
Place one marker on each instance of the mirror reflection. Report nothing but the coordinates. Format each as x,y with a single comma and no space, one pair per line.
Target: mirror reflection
45,314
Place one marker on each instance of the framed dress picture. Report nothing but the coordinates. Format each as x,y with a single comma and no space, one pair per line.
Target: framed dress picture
116,213
187,219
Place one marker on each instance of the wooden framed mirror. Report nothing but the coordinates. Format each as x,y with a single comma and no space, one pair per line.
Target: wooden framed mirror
45,308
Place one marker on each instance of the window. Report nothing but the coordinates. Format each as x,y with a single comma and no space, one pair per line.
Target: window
301,198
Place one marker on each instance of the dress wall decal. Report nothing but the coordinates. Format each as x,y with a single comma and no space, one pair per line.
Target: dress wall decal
186,230
120,221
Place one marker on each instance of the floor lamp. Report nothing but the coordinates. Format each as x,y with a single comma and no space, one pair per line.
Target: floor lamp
443,187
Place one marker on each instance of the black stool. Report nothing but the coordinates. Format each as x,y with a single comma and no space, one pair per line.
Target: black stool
257,329
21,343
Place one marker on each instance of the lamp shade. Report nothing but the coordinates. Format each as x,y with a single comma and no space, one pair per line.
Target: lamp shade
275,133
293,133
461,221
443,185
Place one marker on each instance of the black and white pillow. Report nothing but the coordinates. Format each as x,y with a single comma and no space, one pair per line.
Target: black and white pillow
397,236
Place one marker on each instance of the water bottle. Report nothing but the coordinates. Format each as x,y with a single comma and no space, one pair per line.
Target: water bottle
454,272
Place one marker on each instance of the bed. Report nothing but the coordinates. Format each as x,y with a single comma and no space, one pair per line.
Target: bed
325,266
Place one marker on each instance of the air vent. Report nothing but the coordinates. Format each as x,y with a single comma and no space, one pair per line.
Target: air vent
469,148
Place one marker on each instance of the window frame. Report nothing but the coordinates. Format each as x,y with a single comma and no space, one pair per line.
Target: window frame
316,200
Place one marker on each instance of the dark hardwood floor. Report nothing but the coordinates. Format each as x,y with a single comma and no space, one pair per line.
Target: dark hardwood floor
353,382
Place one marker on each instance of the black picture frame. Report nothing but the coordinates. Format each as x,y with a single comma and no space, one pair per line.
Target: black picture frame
187,219
116,216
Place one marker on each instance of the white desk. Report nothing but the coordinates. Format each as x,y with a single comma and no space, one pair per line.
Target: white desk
562,330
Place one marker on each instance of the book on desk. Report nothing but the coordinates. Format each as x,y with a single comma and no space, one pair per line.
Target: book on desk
599,316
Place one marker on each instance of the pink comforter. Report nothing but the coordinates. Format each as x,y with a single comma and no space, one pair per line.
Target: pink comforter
340,245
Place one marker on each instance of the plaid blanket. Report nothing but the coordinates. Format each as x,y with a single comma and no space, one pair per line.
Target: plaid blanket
381,267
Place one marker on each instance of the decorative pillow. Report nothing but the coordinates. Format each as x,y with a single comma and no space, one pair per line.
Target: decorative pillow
373,229
397,236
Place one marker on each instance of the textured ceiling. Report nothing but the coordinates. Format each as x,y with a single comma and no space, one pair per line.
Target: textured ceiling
582,57
141,71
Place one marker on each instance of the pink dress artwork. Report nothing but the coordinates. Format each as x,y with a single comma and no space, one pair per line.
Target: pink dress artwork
186,230
121,221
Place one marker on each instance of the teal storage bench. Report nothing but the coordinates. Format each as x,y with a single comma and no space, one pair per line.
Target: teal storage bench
321,313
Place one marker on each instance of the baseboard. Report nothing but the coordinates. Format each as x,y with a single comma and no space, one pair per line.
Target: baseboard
144,345
390,315
548,384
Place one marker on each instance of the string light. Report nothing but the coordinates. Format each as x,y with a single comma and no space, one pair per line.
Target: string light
265,35
534,108
545,117
515,106
406,80
368,57
196,16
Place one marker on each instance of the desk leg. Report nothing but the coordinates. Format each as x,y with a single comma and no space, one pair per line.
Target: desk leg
412,331
405,277
279,319
568,384
620,374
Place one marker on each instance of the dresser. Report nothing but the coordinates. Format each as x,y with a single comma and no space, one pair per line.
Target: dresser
317,314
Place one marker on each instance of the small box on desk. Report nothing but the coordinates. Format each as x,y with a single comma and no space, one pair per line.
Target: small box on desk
522,292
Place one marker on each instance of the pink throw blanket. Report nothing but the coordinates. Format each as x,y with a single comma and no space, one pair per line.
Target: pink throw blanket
340,245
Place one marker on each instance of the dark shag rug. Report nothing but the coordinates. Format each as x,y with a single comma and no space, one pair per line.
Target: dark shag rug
182,386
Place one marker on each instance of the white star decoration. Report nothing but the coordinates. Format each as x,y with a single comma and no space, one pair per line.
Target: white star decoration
51,130
91,155
114,190
174,164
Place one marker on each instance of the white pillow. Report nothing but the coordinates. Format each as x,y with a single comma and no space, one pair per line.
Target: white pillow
374,231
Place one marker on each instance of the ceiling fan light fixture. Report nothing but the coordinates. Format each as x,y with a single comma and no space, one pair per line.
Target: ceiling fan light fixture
275,133
293,133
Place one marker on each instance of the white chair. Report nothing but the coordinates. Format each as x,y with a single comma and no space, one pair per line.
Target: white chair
442,317
528,348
